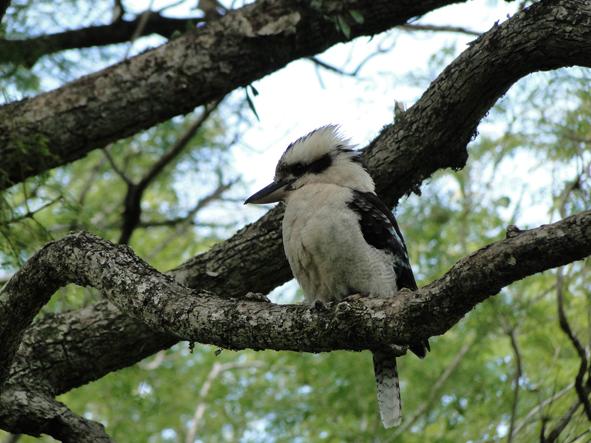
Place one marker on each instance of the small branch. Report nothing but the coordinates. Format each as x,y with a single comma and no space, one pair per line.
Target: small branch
561,425
29,51
435,389
30,213
132,204
114,166
141,26
330,67
118,10
214,195
516,379
4,4
524,421
35,414
565,326
216,370
438,28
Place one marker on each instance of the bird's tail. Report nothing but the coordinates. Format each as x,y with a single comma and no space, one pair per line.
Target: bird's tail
384,364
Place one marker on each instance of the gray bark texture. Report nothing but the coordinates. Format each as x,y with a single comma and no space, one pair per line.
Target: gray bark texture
203,65
203,299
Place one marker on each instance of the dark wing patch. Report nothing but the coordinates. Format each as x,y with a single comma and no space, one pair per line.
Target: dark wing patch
379,229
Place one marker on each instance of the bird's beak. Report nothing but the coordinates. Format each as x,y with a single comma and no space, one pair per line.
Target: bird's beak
272,193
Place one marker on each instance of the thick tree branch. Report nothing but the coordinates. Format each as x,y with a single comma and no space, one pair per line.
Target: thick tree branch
175,78
35,414
165,305
433,134
28,51
253,259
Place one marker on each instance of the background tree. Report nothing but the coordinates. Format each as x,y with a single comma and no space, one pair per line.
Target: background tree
110,154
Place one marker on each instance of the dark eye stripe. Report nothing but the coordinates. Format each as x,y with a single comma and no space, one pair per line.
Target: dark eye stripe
316,167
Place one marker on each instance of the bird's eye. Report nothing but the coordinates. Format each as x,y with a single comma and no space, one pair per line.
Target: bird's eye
298,169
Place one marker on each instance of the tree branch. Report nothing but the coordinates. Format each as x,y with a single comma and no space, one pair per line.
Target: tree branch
135,191
216,370
433,134
253,259
580,387
165,305
4,4
438,28
29,51
435,389
175,78
529,416
35,414
517,378
562,423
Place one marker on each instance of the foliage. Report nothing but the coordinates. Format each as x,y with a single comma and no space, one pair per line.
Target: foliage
330,397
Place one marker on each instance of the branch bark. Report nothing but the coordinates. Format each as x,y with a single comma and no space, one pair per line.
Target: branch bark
29,51
253,259
43,132
164,305
38,414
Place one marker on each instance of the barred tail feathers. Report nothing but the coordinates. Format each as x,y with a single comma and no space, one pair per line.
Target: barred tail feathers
388,388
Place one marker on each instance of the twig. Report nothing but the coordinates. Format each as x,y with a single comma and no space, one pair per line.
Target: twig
185,221
31,214
140,27
216,370
517,378
116,168
565,326
562,423
524,421
438,28
435,389
135,191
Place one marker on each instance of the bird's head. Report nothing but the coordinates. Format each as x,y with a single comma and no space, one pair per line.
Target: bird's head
322,156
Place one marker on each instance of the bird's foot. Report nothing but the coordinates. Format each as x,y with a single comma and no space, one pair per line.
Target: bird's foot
405,291
319,305
355,297
256,296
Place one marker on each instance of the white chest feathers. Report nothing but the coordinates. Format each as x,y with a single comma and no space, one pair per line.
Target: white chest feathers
326,250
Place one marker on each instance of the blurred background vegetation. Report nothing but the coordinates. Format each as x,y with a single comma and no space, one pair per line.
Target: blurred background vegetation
502,374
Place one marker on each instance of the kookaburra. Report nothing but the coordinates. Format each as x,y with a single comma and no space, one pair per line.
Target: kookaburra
340,239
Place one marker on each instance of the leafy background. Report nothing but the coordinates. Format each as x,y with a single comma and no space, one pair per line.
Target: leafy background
530,164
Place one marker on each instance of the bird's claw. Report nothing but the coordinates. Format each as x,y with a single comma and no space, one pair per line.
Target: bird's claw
405,291
355,297
319,305
256,296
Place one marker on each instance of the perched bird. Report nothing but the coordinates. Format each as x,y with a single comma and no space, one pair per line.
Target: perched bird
340,239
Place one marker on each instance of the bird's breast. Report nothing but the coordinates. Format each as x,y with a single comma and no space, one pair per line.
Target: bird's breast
325,247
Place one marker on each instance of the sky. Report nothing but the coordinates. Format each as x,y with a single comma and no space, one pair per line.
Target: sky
292,101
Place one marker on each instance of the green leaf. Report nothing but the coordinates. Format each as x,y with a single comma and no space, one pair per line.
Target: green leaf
251,105
343,26
357,16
